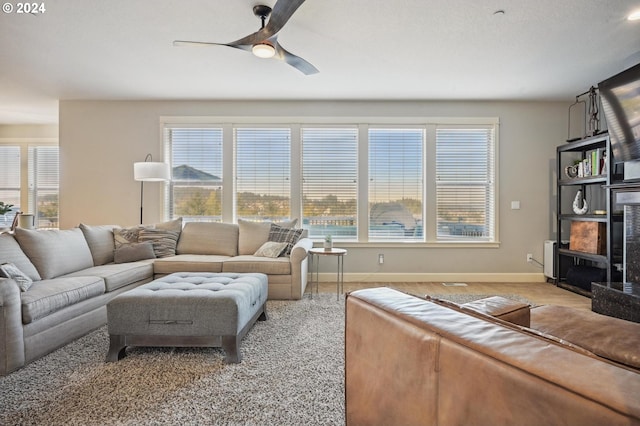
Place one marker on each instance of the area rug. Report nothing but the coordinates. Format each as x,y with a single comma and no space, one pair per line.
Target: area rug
292,373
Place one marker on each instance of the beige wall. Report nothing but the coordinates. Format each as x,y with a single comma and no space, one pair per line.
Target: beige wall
99,142
31,132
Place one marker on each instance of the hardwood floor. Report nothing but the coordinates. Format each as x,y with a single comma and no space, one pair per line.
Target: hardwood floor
537,292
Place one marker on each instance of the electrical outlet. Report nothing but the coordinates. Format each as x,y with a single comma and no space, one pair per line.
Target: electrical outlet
529,257
380,259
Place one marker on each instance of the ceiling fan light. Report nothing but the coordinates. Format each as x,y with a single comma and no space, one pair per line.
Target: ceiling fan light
263,50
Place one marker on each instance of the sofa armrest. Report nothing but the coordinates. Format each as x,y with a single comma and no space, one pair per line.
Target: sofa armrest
300,250
11,333
299,267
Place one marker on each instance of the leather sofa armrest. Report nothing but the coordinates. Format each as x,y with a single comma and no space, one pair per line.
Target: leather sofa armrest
12,354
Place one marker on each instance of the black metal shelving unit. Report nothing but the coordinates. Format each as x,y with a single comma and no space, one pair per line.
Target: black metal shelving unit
566,190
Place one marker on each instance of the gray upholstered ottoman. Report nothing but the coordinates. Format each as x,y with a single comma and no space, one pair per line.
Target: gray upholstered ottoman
188,309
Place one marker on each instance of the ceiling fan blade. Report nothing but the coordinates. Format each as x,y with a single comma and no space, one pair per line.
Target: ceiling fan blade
207,44
282,11
295,61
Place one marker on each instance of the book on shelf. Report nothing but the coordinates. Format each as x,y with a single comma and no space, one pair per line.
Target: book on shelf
594,164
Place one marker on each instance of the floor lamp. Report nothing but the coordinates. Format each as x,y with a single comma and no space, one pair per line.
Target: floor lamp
149,171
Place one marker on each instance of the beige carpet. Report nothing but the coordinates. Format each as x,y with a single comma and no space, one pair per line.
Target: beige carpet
291,374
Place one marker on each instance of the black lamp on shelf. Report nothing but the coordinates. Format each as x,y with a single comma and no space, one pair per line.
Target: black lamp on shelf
149,171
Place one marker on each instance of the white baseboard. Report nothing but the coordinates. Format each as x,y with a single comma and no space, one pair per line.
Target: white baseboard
513,277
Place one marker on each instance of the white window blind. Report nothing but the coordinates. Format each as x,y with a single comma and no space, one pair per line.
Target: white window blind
44,185
329,182
465,185
263,168
9,181
396,184
195,155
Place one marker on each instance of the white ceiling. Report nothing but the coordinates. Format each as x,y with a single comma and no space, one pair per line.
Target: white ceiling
365,50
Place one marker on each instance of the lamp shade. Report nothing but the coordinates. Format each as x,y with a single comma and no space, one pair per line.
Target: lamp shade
149,171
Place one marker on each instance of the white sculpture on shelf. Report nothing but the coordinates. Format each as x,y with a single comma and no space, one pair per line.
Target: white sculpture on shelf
576,204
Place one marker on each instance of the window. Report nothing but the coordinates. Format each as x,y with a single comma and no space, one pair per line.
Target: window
465,187
29,180
392,181
195,192
395,184
43,185
329,182
9,181
263,167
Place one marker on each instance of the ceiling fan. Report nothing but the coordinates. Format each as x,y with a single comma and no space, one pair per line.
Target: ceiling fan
264,42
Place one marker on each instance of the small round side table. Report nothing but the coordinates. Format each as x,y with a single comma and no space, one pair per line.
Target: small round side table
315,259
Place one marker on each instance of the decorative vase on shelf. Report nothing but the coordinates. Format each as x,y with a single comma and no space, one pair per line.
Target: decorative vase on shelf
328,242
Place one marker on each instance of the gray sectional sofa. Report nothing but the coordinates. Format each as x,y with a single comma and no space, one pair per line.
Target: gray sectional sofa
66,277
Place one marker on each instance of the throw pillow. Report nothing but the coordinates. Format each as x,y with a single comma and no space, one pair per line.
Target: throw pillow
133,252
271,249
171,225
254,234
9,270
123,236
164,241
290,236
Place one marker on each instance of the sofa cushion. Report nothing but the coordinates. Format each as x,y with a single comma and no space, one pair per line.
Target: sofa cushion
253,234
100,241
164,241
285,235
48,296
55,252
209,238
116,275
10,251
271,249
133,252
611,338
503,308
263,265
9,270
189,263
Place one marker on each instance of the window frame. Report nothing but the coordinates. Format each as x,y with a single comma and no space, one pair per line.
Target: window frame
490,182
423,200
167,199
25,194
236,173
333,128
429,124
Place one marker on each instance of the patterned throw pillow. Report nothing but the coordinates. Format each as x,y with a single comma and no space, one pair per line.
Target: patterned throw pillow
123,236
271,249
290,236
164,241
9,270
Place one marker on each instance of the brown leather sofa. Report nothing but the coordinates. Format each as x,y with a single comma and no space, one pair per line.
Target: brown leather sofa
411,361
